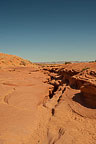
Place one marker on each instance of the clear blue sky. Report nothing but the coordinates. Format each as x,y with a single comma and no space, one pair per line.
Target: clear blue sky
48,30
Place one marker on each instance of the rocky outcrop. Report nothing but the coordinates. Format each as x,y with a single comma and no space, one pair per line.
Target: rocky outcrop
88,92
83,79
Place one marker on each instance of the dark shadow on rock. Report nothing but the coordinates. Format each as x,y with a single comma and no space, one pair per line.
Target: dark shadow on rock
79,99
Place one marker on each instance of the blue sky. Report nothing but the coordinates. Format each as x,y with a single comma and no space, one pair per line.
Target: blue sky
48,30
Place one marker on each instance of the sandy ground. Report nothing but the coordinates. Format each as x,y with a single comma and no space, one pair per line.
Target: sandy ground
45,105
21,92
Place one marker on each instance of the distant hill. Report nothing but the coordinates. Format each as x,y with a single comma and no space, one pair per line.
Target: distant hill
61,62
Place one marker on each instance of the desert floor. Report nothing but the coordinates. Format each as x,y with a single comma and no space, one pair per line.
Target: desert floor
48,104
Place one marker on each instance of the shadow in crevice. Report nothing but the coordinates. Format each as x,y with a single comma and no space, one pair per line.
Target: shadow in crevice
51,94
79,99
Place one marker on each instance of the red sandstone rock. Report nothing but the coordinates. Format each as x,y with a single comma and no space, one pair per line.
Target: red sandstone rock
46,105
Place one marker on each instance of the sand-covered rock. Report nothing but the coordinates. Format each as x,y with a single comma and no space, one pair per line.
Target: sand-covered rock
47,104
13,61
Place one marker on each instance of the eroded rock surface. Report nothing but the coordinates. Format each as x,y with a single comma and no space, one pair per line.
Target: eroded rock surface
50,104
70,118
21,92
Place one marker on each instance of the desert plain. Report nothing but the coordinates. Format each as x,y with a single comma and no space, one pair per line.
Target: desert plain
47,103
